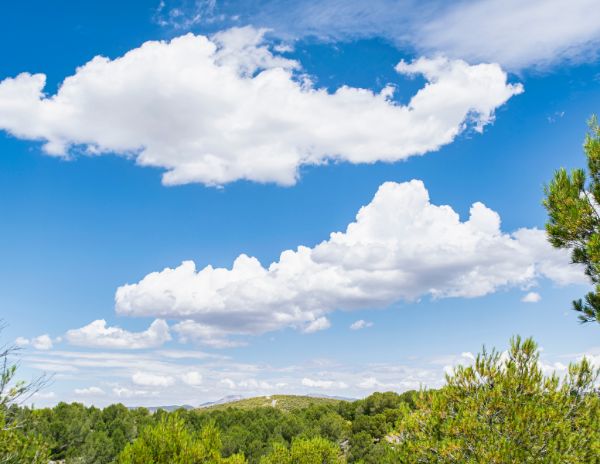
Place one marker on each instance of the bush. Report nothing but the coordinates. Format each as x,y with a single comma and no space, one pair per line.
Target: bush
170,442
506,411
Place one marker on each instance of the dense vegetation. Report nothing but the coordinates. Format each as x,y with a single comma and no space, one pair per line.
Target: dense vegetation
76,433
502,409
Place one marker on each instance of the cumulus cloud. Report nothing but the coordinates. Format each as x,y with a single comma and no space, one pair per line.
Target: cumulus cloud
400,247
360,324
148,379
215,110
531,297
43,342
96,334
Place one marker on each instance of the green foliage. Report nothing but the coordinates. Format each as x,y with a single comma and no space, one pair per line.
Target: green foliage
17,447
82,435
305,451
506,411
332,426
171,442
572,201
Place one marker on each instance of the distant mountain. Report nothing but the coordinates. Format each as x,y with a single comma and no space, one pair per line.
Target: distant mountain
224,400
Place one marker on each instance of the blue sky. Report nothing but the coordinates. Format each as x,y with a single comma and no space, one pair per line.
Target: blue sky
81,217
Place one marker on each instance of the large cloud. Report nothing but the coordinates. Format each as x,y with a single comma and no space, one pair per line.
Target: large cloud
226,108
401,247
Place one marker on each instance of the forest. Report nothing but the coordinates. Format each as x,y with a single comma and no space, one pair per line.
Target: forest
501,409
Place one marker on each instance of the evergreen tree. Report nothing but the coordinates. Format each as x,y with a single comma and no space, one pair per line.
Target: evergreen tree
572,200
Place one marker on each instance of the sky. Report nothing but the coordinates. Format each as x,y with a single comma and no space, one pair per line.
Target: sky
211,198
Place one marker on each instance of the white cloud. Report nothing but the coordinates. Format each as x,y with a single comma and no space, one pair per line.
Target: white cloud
531,297
91,391
401,247
42,342
228,108
324,384
514,33
360,324
147,379
98,335
192,378
318,324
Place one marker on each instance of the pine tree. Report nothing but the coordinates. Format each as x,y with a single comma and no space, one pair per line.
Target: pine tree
572,200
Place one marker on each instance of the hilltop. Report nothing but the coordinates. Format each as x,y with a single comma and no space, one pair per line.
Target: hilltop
281,402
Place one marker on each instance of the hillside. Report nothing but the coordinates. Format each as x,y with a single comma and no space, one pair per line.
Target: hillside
282,402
